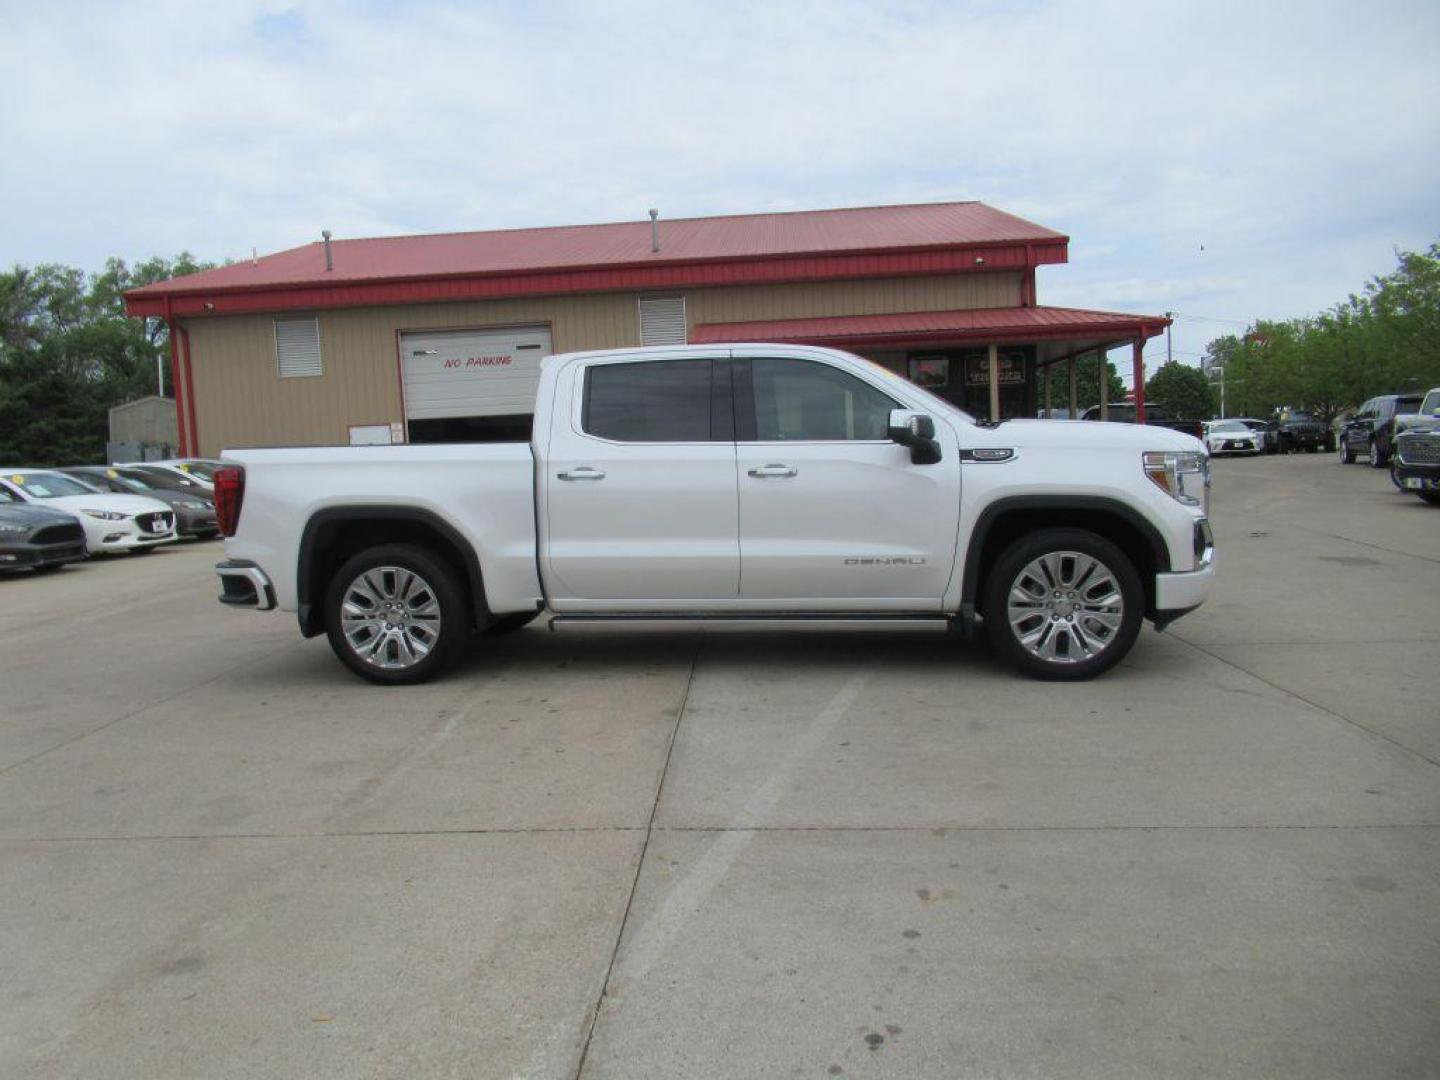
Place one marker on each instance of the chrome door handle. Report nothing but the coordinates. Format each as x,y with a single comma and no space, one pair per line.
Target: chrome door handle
763,471
582,472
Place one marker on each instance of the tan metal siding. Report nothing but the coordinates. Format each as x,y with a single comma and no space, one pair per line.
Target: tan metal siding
867,297
244,402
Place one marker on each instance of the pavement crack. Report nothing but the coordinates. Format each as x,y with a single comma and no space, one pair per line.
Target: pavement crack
640,862
1308,701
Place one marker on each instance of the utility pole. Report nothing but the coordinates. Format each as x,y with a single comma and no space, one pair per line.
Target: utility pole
1169,356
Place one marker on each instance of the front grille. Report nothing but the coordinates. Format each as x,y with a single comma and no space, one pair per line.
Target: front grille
58,534
155,523
1419,450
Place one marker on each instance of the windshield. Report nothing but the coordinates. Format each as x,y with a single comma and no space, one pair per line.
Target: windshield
163,478
131,478
1431,406
1229,425
51,485
203,469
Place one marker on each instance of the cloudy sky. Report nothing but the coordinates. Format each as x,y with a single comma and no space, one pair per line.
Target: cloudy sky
1221,160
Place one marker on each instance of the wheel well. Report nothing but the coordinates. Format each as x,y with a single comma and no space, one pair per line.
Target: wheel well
1145,551
331,538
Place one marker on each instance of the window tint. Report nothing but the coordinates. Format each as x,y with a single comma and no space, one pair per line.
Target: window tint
653,401
802,400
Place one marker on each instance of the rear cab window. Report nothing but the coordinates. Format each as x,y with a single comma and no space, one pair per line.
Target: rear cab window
657,401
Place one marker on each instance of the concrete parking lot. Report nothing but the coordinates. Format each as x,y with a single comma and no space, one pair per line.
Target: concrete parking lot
603,856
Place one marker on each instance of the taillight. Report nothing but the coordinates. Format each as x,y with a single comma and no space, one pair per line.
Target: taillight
229,495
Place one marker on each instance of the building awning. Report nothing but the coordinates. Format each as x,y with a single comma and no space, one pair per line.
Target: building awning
1076,328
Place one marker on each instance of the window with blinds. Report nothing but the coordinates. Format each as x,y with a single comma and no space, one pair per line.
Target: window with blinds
662,321
297,347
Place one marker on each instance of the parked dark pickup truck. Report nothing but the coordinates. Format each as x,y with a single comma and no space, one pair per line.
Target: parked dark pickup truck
1123,412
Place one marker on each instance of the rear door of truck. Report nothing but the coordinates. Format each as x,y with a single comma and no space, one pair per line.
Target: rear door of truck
638,484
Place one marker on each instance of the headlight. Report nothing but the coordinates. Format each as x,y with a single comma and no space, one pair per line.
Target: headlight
1183,475
191,504
105,515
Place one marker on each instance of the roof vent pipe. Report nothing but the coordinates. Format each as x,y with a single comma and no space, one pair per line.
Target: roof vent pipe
329,262
654,230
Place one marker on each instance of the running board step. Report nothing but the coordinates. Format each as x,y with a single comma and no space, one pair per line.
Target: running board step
749,623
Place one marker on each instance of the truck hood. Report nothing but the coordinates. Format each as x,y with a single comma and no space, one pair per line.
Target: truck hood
1085,434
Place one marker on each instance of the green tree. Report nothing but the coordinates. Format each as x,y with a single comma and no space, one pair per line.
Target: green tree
1383,340
1087,383
1181,390
68,352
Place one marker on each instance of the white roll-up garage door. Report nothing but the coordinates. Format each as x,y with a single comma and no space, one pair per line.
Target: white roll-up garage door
460,373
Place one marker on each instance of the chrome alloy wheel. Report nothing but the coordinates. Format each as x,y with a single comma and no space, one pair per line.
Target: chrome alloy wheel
1065,607
390,617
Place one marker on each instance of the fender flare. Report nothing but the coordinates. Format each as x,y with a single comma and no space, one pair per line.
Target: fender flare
970,581
308,609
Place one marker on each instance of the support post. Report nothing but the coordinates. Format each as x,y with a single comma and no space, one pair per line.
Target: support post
1049,379
1074,391
1138,363
995,383
1102,376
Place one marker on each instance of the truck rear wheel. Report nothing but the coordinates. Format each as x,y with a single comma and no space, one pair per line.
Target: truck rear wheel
396,614
1063,604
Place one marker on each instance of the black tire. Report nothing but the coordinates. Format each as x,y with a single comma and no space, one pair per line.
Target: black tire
1347,456
1395,477
1431,497
48,568
508,624
1378,457
1311,449
1012,568
439,582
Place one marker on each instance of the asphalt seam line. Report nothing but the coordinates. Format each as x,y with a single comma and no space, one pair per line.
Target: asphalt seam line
937,831
640,862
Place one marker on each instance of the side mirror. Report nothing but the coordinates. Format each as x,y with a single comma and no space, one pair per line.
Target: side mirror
917,431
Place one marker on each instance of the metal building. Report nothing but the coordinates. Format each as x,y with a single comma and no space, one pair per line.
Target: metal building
439,338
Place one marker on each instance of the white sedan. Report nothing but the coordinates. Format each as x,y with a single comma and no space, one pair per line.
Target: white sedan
1230,437
112,522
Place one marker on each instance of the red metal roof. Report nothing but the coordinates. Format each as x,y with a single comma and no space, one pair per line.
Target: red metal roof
989,324
700,251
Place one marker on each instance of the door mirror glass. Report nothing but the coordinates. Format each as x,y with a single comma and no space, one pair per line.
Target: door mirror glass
917,431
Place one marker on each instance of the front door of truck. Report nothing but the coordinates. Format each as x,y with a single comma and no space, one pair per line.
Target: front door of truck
833,515
638,486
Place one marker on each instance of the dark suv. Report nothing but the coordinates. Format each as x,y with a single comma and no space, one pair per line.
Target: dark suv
1298,430
1371,431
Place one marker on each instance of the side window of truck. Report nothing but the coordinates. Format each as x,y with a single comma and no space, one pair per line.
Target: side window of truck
806,401
649,401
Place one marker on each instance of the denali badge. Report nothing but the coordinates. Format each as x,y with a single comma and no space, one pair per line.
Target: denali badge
884,560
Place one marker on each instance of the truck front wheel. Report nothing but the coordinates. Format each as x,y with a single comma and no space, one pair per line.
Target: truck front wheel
395,614
1063,604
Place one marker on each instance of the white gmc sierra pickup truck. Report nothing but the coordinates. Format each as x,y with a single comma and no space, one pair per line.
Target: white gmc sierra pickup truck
742,487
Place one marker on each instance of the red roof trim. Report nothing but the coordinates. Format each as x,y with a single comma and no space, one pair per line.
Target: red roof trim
768,269
1000,325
